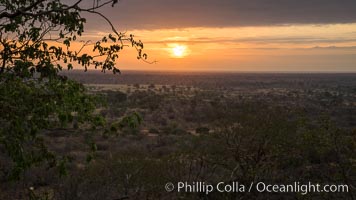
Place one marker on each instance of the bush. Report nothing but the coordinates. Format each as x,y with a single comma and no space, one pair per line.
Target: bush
202,130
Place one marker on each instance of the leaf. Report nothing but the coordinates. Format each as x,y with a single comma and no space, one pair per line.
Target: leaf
112,38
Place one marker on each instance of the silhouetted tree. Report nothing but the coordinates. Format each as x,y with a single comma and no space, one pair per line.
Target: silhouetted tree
35,44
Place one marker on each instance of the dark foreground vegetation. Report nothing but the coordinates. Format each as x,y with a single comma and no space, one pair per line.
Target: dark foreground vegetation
275,128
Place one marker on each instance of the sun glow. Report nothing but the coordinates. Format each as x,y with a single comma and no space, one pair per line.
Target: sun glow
260,48
179,51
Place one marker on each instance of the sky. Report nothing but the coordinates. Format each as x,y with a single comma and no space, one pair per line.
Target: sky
236,35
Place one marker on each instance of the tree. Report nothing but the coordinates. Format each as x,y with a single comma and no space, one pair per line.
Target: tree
35,44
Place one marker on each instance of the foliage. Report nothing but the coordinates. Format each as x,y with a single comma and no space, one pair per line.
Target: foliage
32,105
128,124
29,45
202,130
36,37
277,150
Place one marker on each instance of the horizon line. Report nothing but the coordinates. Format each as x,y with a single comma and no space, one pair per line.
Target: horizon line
224,71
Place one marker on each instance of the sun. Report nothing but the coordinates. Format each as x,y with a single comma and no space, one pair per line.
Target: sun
179,51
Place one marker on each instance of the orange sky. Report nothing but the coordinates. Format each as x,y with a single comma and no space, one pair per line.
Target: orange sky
311,39
272,48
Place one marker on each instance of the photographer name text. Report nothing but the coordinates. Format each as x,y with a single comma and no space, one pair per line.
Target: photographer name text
261,187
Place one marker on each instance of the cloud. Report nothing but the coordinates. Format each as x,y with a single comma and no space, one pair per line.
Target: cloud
153,14
336,47
257,40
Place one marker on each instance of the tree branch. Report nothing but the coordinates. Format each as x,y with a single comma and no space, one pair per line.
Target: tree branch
20,11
